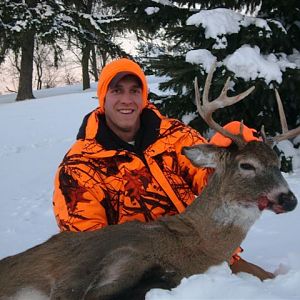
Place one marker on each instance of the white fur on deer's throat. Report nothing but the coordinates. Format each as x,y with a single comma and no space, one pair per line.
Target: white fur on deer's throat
236,214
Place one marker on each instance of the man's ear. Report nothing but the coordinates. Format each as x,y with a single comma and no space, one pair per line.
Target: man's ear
203,155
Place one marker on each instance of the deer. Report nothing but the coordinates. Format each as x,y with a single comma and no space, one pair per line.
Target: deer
122,261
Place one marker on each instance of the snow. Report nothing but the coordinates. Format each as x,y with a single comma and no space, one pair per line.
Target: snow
201,56
187,118
295,58
20,25
44,10
221,21
94,21
36,134
229,287
289,151
278,24
216,21
256,65
248,63
151,10
163,2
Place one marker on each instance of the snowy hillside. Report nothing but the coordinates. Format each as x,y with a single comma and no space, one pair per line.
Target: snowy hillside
36,134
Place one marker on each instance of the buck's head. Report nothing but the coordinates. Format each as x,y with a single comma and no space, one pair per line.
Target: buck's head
249,176
246,172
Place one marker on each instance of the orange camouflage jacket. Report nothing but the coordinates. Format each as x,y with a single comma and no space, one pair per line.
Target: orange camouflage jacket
103,180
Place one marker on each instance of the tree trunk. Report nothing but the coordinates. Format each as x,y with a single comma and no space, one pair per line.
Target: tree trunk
25,81
95,70
39,73
86,49
104,58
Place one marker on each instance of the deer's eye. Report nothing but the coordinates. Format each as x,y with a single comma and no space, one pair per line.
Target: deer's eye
247,166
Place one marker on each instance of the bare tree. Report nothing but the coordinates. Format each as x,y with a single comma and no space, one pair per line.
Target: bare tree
25,81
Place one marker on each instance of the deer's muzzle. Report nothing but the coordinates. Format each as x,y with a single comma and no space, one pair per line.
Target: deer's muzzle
280,203
287,201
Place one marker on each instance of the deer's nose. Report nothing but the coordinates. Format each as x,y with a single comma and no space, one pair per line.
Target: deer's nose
288,201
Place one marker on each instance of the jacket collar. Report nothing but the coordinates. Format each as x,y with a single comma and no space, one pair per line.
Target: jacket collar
147,134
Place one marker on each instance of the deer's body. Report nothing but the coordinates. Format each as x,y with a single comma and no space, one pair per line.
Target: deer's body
109,263
68,263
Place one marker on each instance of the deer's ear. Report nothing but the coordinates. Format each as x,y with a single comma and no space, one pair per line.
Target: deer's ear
203,155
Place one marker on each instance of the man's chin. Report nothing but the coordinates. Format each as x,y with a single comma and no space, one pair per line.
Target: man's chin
128,126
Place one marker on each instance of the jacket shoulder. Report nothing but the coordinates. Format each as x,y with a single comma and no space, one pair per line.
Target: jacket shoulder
177,129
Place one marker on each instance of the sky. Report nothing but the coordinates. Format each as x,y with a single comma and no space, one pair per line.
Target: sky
36,134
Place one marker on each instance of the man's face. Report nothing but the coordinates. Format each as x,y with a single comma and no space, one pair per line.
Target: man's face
123,106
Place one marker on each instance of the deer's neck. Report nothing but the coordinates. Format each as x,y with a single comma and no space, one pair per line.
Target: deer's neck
233,214
219,223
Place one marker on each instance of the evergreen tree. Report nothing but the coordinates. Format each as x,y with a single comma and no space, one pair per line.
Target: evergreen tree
274,35
147,16
287,13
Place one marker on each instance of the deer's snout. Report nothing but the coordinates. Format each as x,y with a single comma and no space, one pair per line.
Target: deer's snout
287,201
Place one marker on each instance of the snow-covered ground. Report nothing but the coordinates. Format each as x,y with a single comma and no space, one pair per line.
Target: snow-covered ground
36,134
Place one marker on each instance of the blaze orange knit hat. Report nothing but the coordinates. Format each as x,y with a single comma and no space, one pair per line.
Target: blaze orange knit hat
234,127
121,65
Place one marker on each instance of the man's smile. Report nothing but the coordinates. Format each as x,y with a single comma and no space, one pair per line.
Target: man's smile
126,111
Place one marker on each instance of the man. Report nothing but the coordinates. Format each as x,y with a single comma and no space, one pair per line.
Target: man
126,163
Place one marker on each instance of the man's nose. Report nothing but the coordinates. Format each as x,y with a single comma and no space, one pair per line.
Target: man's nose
126,98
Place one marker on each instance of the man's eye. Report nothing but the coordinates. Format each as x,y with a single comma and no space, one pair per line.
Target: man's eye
136,91
246,166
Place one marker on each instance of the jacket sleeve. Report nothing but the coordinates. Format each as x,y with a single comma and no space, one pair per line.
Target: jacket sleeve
77,207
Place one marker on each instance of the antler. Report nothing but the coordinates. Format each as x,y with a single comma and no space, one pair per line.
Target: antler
207,108
286,134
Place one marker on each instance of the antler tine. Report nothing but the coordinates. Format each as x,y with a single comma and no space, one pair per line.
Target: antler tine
208,82
208,108
286,134
263,133
281,113
197,94
269,141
